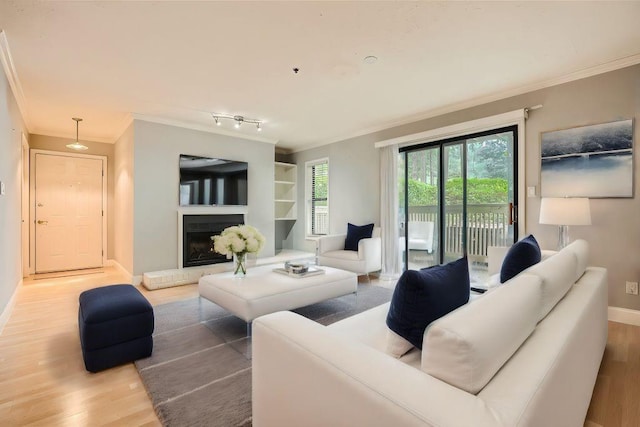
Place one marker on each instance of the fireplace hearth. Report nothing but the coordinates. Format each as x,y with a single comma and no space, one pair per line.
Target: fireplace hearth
197,246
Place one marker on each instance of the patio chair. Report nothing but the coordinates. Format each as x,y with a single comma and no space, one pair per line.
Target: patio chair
421,236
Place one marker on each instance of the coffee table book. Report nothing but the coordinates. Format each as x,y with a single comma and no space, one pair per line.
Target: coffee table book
313,271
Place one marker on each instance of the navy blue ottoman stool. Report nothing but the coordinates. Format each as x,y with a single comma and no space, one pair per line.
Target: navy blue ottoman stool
116,323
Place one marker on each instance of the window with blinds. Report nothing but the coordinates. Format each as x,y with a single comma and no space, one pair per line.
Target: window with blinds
318,191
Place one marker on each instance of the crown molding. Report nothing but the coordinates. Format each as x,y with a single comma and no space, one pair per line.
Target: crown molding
542,84
197,126
12,78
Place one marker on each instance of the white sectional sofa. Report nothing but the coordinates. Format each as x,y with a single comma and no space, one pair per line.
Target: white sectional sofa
526,353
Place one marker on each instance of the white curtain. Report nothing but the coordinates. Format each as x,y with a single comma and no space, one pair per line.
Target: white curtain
391,266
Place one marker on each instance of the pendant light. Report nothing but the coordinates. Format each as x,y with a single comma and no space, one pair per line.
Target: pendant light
76,145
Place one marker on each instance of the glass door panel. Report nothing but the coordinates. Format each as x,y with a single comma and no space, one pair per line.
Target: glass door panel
490,198
421,209
454,237
465,188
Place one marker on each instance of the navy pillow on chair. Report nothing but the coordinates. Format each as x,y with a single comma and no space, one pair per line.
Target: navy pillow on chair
355,233
423,296
521,255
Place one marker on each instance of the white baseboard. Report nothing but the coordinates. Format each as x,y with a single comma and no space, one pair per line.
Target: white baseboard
624,315
6,313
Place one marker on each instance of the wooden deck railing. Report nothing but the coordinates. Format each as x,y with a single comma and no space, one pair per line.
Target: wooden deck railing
487,225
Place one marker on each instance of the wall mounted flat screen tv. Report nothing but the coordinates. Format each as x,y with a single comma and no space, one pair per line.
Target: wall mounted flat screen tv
211,181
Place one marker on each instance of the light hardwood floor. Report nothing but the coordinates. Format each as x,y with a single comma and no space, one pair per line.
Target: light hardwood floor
42,376
43,380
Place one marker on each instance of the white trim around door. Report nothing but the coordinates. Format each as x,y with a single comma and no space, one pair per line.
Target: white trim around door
24,208
516,117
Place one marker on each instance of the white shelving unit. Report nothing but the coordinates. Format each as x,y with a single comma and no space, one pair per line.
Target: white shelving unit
285,191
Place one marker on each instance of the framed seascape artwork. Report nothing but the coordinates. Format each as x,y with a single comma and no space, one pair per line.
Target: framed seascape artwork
593,161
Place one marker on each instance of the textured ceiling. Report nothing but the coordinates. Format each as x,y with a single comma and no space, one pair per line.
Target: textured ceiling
179,61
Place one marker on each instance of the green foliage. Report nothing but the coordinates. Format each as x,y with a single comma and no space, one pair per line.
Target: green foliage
421,194
320,179
487,157
479,191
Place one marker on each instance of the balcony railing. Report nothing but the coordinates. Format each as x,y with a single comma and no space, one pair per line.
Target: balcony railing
487,225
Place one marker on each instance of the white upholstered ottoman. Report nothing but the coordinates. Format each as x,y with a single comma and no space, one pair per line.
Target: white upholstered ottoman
263,291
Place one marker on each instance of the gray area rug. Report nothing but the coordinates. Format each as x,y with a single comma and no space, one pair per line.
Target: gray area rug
200,373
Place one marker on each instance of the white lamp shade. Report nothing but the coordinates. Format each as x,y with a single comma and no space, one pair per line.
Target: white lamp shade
565,211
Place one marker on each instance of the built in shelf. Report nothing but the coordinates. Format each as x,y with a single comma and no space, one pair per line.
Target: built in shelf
285,179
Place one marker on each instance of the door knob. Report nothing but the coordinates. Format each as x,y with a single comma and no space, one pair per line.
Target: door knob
43,222
40,205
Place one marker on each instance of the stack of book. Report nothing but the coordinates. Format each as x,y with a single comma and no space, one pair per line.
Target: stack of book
298,269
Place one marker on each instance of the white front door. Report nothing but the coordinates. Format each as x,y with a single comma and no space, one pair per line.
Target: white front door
68,213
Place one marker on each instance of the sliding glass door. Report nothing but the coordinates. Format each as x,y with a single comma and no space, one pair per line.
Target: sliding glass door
458,197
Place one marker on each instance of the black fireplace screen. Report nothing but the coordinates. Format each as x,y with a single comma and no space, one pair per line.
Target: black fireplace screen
197,246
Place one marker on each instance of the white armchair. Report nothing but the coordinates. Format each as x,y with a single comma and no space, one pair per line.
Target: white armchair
367,259
421,236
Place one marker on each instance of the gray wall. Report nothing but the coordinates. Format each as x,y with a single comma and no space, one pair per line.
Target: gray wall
354,182
51,143
11,130
613,237
156,150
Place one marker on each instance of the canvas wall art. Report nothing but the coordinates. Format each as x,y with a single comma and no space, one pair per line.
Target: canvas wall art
593,161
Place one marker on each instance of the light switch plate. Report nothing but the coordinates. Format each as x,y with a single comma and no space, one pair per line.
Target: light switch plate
531,191
1,188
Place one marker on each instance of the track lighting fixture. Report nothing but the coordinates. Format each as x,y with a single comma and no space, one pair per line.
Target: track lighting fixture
77,145
238,120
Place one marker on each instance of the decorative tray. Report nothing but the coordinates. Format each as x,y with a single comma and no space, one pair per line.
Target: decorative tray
312,271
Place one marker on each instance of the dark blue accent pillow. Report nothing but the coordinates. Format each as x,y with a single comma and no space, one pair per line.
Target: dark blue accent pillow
355,233
521,255
423,296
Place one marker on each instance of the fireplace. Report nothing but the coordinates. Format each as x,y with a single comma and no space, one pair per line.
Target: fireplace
197,246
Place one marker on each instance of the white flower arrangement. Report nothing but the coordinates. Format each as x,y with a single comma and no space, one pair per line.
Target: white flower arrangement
239,240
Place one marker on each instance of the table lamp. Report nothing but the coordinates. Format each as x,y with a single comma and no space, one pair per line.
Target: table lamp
564,212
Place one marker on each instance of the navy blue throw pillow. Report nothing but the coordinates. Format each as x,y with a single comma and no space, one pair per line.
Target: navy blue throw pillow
355,233
520,256
423,296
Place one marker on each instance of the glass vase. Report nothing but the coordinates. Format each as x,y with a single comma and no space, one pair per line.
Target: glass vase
240,264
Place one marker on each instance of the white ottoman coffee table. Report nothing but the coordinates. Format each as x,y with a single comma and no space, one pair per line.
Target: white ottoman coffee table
263,291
